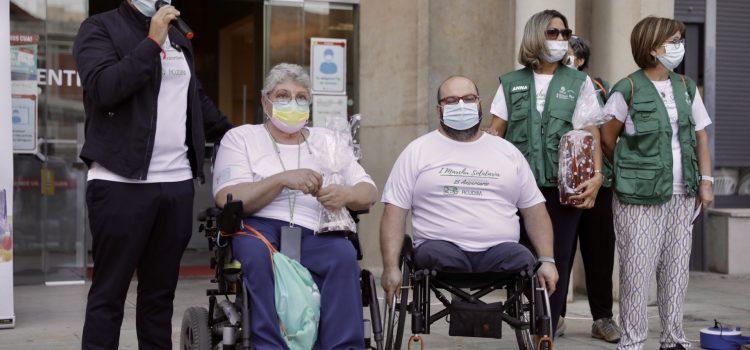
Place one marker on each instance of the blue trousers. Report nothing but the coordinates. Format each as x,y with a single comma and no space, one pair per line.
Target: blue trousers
332,262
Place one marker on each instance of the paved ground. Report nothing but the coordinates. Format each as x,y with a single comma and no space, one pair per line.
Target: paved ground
51,317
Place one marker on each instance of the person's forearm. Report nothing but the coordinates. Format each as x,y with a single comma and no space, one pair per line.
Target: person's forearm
254,196
609,133
704,155
392,235
539,229
499,126
363,196
597,147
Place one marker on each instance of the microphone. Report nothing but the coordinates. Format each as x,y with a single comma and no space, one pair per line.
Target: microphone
178,23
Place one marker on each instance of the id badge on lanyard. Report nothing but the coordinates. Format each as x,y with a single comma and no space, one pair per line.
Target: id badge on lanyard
291,242
291,236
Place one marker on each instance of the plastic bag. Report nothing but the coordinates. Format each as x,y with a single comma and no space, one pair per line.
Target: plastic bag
576,165
588,112
333,152
297,299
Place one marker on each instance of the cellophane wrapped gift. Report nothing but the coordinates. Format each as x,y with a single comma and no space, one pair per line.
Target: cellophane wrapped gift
577,147
334,152
576,164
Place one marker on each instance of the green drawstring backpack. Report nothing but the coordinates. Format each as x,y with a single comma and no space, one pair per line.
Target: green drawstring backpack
297,299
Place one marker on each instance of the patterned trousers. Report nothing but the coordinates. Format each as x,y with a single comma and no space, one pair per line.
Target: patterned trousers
653,240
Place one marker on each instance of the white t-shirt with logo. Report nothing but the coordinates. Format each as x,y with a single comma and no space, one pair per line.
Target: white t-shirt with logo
617,106
586,97
247,155
169,162
467,193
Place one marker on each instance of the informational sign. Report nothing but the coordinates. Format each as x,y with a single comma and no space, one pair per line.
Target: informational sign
24,74
24,48
24,116
7,315
328,107
328,66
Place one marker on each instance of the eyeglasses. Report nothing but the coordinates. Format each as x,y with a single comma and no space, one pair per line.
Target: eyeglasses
284,96
554,32
452,100
674,44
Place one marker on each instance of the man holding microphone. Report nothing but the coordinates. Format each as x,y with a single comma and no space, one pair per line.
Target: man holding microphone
147,121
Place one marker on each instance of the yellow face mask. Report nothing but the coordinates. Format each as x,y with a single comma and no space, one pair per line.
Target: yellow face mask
289,117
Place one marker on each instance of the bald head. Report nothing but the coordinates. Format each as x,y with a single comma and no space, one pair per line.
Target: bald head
458,86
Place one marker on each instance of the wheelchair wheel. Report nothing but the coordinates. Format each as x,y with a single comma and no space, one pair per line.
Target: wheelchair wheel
523,336
194,334
396,317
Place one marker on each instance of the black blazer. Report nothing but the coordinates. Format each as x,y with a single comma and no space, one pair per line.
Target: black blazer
120,70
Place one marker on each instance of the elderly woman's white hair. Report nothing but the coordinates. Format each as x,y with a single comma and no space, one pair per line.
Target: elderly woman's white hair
285,72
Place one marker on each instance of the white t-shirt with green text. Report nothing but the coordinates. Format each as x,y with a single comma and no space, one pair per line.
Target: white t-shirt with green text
467,193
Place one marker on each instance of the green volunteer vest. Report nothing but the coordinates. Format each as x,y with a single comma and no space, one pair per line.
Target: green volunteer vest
643,161
538,136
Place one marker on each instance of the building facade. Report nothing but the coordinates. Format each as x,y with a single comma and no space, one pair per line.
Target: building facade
397,54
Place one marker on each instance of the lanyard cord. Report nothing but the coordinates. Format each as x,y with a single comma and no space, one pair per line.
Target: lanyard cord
292,197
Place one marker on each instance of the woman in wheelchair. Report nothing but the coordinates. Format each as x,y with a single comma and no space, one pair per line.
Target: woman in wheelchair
271,168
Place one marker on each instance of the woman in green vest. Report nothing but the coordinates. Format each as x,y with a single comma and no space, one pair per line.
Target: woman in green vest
533,109
662,174
596,231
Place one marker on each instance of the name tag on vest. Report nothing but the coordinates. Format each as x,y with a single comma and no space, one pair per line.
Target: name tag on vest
518,88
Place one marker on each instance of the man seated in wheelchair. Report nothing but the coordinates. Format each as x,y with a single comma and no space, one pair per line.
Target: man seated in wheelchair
464,188
273,169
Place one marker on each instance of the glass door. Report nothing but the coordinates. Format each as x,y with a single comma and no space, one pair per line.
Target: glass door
289,25
49,179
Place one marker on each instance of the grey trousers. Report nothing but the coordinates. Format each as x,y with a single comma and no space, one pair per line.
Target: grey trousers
448,257
653,240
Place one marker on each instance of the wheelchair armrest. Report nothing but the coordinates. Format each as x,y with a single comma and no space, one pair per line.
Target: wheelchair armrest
356,213
230,218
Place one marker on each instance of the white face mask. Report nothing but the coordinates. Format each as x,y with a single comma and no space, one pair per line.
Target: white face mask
556,50
461,116
147,7
672,56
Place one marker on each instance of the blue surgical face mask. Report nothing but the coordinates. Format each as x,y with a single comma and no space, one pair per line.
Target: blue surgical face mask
461,116
147,7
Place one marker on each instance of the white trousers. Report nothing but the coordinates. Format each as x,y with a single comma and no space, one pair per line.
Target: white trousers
653,239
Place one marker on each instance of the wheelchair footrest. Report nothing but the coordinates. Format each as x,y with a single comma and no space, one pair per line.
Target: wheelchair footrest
475,320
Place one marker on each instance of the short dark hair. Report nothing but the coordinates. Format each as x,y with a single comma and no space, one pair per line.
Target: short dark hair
440,87
649,34
581,49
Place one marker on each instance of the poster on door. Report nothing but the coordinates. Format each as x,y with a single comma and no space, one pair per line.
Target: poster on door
24,74
328,66
24,116
7,315
327,108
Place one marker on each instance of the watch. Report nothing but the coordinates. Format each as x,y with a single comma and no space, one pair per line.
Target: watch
707,178
546,259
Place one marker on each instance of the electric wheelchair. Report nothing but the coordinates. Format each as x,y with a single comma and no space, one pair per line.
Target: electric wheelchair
526,308
225,324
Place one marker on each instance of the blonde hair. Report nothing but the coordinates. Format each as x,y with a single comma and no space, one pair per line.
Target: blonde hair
533,46
650,33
